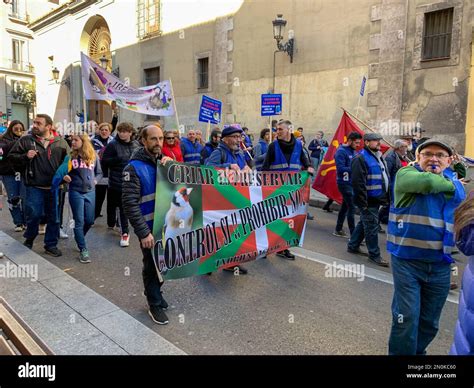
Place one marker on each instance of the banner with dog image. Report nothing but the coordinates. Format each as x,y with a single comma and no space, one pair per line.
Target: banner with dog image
98,84
208,218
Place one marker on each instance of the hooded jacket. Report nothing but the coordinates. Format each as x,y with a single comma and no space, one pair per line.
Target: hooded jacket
116,156
40,170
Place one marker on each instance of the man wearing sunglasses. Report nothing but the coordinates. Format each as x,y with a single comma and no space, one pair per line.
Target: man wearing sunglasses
420,239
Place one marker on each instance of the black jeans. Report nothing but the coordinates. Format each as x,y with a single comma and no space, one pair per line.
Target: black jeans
100,194
114,199
347,208
150,279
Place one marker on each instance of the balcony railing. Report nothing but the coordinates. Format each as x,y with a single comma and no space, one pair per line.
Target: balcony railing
10,64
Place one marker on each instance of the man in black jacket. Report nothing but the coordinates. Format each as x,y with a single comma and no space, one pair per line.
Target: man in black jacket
39,155
136,181
116,156
370,182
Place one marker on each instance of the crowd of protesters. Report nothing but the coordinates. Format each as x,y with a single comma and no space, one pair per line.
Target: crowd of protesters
414,189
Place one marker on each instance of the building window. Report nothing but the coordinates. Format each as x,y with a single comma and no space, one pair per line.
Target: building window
152,77
437,34
203,73
17,54
148,18
15,7
18,10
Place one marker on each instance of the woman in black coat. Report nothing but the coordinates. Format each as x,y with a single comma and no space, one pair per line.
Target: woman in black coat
12,179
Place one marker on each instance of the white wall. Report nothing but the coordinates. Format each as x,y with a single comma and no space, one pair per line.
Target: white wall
177,14
62,39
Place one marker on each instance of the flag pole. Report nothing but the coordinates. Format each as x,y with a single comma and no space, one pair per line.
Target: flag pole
175,110
248,153
364,124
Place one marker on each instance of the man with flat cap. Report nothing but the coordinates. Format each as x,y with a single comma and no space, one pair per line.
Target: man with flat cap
228,154
370,182
420,239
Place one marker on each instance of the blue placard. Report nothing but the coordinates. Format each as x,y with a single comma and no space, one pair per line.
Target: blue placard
210,110
271,104
362,87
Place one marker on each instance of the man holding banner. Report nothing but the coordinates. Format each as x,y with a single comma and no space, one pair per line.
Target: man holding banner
286,154
138,196
228,155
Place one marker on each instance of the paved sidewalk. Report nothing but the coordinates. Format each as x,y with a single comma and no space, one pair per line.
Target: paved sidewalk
69,317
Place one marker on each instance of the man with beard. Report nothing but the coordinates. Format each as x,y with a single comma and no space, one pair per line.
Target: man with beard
39,155
286,154
138,198
370,182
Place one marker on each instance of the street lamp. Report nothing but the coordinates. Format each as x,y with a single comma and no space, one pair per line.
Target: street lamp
66,81
278,29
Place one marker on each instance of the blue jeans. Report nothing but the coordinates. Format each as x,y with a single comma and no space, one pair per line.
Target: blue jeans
150,279
42,204
83,208
347,208
367,227
16,197
420,291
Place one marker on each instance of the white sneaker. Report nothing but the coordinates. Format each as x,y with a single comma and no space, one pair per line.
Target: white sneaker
63,234
125,240
19,228
42,229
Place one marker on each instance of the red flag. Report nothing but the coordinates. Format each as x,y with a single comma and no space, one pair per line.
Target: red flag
325,181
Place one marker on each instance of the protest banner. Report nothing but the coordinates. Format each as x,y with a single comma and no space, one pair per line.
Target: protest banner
98,84
208,218
210,110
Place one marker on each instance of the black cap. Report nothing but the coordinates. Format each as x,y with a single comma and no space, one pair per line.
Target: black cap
230,131
430,142
372,136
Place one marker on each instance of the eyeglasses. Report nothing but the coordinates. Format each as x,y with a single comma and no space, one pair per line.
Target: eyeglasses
169,138
439,155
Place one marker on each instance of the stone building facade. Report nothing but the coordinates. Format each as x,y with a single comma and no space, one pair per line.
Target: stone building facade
412,79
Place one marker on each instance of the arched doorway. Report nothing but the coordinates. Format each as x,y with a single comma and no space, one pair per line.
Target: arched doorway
96,41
